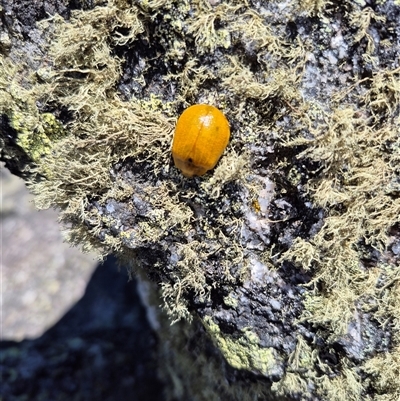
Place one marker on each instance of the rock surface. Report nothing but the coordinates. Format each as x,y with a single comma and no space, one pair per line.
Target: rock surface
280,265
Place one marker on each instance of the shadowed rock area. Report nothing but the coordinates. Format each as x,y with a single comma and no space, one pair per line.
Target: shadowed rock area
101,349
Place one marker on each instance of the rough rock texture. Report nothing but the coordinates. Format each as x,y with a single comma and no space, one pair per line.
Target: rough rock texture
281,266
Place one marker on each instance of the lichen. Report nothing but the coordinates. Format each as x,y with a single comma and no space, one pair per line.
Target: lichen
37,139
245,352
293,229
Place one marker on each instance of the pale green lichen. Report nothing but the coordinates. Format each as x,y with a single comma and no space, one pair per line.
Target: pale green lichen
244,352
231,302
37,137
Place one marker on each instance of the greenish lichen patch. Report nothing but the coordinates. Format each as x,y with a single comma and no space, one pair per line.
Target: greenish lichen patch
36,131
231,302
246,352
37,137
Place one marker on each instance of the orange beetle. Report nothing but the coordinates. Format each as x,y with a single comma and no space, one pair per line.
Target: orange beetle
201,136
